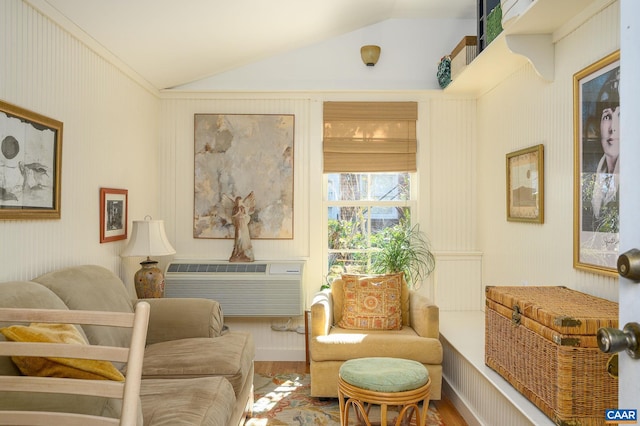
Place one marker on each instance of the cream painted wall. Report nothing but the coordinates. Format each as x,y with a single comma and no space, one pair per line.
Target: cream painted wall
524,111
411,50
446,160
120,134
109,138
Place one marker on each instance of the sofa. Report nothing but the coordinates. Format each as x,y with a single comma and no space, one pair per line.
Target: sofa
332,343
195,372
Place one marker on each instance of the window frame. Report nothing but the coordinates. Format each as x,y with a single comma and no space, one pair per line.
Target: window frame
411,203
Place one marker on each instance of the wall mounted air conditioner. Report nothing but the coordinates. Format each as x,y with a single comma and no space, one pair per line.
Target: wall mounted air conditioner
258,289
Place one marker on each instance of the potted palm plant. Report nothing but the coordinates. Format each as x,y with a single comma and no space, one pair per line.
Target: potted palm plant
404,249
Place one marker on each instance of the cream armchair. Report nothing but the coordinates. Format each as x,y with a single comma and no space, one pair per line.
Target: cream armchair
331,345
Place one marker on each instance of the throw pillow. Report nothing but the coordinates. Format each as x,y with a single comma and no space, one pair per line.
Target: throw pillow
372,302
58,367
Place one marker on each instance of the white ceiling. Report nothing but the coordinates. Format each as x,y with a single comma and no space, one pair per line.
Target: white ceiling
172,42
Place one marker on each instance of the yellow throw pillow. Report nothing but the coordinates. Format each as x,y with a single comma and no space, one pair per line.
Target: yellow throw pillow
58,367
372,302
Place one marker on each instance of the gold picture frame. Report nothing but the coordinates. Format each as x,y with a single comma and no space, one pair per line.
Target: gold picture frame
525,185
596,111
30,164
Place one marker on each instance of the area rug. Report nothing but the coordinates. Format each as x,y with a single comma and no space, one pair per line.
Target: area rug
285,400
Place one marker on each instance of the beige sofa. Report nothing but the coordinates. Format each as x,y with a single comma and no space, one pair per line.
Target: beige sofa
332,345
194,373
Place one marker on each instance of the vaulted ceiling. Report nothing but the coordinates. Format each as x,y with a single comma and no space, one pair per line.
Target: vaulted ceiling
172,42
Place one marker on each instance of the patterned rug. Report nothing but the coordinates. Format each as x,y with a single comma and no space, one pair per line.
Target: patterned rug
284,400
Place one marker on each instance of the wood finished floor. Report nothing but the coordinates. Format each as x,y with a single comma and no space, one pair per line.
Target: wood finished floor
448,412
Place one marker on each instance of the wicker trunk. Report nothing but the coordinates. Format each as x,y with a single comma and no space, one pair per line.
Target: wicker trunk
542,340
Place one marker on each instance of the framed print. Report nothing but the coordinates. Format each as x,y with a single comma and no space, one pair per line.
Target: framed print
113,214
596,115
525,185
240,154
30,164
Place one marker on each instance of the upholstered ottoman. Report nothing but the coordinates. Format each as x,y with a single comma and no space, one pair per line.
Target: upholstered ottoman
383,381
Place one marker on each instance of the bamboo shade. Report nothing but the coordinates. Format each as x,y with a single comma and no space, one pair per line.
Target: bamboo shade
370,137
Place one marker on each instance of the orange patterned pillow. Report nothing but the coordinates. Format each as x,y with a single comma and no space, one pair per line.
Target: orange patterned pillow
372,302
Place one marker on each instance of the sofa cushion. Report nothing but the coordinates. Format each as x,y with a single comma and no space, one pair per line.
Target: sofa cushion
206,401
92,288
82,404
58,367
372,302
28,295
344,344
230,356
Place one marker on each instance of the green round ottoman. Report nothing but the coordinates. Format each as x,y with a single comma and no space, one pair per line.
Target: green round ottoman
363,382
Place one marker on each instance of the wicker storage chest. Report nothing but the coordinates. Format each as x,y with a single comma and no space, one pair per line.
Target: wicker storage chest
542,340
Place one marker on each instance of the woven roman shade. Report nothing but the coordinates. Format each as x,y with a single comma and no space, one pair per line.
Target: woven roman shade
364,137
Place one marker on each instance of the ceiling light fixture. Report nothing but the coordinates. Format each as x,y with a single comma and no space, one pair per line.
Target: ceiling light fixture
370,54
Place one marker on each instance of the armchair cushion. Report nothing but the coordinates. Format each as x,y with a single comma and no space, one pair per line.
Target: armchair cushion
343,344
372,302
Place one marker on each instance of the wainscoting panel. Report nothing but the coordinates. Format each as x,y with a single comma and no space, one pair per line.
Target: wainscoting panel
273,345
457,281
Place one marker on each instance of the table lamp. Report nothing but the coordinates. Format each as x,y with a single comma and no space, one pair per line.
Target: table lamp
148,238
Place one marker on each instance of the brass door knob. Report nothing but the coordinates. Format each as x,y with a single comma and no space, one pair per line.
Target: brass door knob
612,340
629,264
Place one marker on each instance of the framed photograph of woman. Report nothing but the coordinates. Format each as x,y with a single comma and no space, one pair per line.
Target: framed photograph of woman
596,166
113,214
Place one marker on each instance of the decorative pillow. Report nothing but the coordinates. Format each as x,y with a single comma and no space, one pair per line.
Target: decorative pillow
372,302
58,367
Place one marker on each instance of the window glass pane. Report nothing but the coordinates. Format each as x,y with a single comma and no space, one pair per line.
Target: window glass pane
368,187
397,216
348,228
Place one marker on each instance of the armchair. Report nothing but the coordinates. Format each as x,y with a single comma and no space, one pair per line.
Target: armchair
331,345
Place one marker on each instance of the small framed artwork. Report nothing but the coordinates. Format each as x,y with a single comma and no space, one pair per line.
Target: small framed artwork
30,164
113,214
525,185
596,181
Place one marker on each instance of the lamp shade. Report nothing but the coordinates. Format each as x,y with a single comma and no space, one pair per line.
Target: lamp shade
148,238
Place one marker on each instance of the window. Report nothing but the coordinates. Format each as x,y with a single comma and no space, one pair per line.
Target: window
361,207
369,152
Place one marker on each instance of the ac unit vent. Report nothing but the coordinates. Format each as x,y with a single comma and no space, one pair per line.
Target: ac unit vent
226,268
271,289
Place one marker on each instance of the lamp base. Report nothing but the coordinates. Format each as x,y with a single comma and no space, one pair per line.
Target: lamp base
149,281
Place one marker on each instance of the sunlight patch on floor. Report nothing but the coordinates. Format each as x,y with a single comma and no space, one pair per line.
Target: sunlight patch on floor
270,400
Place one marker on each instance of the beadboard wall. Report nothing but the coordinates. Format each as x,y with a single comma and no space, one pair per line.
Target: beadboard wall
448,191
109,140
521,112
119,133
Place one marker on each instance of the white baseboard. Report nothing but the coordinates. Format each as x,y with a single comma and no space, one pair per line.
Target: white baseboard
268,354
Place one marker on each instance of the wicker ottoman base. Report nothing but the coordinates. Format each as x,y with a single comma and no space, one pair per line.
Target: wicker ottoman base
361,399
